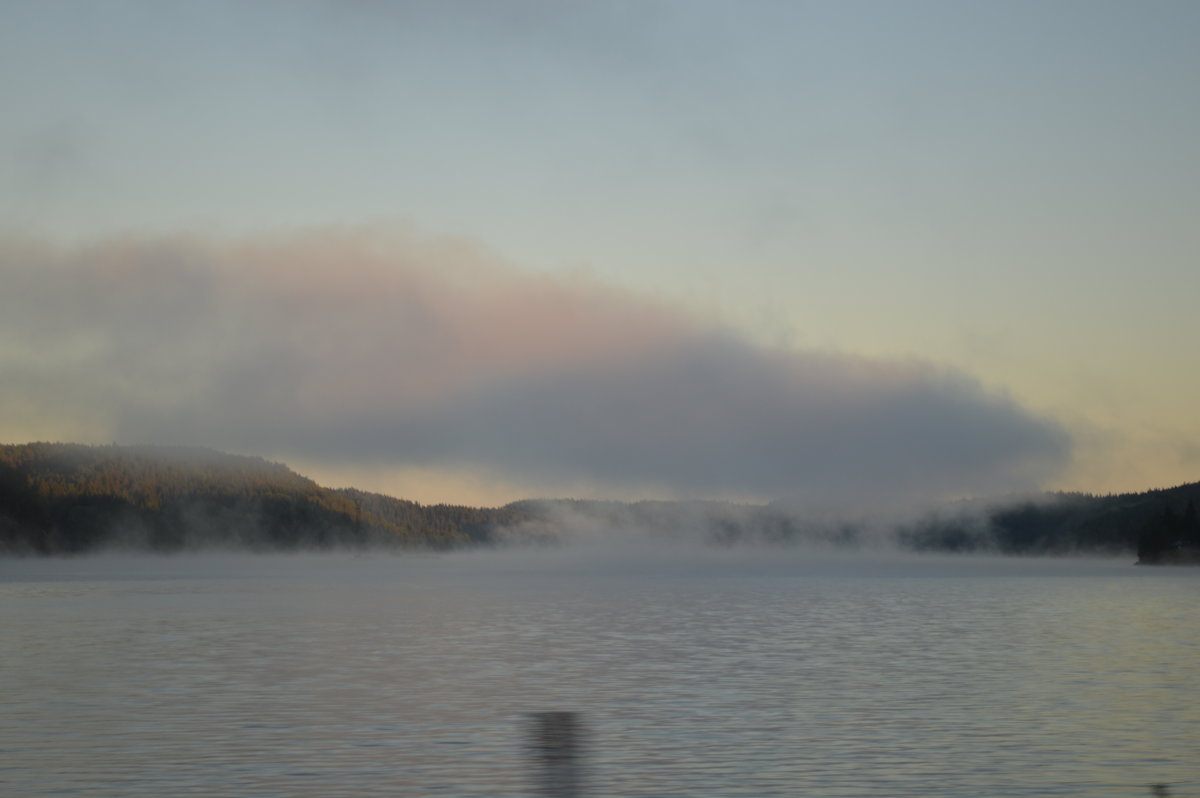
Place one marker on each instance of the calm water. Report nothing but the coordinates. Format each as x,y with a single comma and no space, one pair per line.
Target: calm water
719,673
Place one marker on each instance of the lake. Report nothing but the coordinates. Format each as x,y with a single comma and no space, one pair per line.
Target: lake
694,672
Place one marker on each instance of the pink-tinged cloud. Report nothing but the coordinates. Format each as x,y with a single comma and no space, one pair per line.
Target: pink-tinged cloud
363,347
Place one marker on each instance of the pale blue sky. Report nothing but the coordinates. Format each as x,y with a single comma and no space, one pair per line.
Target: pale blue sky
1005,188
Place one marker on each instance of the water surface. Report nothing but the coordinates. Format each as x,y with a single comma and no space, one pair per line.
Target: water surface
696,673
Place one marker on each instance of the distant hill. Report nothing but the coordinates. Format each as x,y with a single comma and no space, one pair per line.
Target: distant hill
714,522
1060,523
1158,525
62,498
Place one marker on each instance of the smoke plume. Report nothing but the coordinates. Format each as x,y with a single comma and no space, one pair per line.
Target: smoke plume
400,350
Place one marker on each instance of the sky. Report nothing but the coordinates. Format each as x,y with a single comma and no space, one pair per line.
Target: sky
840,253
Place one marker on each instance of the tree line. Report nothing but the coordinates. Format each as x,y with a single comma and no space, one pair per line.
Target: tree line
61,498
58,498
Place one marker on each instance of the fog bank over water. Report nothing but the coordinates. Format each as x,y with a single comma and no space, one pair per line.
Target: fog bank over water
514,567
615,562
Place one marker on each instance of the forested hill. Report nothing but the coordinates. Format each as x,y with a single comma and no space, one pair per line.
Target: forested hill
1153,524
58,498
1148,523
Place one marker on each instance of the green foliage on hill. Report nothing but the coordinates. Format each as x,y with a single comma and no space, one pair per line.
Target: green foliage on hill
58,498
468,524
67,498
1168,538
1056,523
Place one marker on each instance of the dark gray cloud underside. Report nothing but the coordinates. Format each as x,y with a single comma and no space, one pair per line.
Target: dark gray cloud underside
396,356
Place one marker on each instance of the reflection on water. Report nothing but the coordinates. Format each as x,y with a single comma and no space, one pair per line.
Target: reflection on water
756,676
556,756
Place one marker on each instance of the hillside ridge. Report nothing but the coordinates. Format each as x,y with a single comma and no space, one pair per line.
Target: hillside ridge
69,498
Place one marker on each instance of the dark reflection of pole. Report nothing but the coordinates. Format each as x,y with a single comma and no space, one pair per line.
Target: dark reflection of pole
554,741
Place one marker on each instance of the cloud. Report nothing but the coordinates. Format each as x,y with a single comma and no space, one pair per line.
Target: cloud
370,347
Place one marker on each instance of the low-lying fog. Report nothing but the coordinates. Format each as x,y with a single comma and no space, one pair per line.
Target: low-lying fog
590,560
